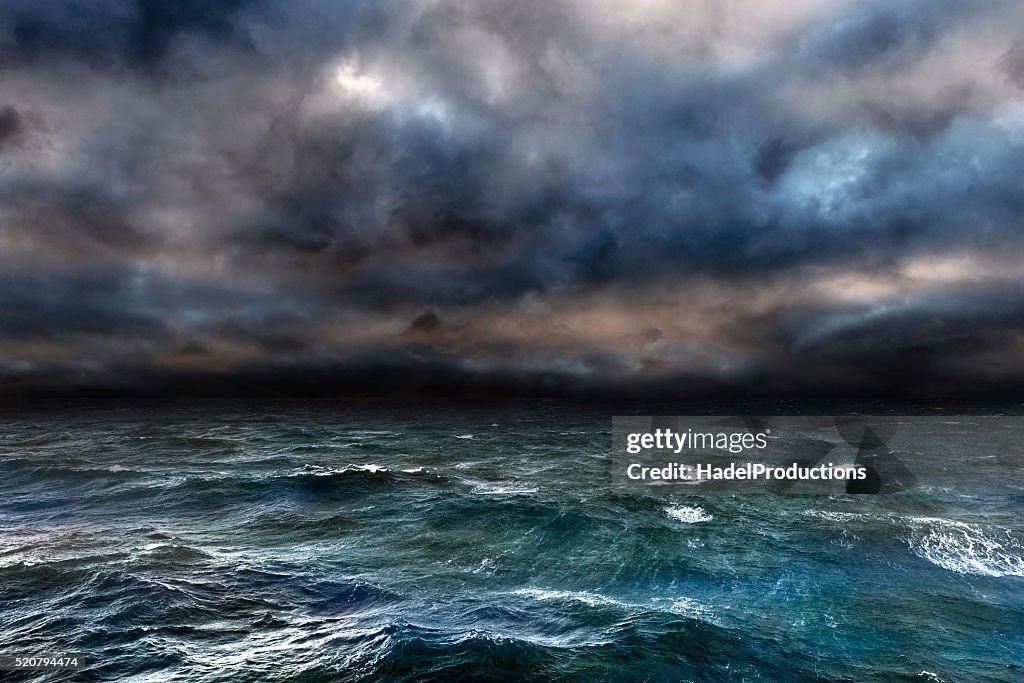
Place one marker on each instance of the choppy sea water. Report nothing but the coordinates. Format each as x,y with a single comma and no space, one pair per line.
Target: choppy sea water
309,542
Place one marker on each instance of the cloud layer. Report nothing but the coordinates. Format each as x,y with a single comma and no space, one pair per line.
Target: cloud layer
578,196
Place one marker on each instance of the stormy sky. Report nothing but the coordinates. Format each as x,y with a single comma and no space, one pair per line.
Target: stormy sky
554,196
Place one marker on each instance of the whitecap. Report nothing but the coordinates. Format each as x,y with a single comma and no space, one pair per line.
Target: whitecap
689,607
586,597
504,489
320,471
370,467
836,516
965,548
688,515
679,605
487,565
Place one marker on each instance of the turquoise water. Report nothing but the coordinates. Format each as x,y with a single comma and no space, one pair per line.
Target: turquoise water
235,542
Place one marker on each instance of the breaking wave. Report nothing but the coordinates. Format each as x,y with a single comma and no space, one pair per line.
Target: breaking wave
688,515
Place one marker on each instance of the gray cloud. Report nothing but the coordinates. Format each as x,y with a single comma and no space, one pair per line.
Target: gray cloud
260,185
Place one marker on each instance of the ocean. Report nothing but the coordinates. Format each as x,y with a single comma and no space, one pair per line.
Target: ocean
341,541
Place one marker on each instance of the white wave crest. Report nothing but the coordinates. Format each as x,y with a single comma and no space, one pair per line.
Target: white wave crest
503,489
321,471
370,467
690,608
680,605
688,515
585,597
965,548
841,516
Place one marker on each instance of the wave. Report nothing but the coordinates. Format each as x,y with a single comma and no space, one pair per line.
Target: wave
503,489
966,548
174,552
244,487
683,606
585,597
38,470
688,515
838,516
318,471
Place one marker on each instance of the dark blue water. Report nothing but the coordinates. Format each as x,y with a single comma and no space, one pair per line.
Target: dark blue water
317,542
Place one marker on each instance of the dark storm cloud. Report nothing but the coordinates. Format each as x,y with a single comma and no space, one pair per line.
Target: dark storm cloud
110,32
884,34
11,125
55,305
256,182
919,339
73,212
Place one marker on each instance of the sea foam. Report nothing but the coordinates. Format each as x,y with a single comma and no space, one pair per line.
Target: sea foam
965,548
688,515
